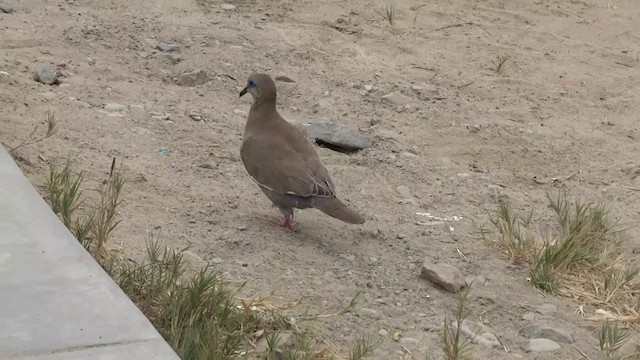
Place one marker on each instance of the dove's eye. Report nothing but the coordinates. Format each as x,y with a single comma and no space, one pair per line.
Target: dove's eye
252,83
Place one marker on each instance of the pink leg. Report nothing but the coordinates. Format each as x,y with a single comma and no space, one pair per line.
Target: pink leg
287,220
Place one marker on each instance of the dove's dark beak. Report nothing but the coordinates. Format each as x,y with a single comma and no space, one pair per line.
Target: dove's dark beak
244,91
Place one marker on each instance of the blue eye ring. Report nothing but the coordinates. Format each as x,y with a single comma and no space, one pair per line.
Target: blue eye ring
252,84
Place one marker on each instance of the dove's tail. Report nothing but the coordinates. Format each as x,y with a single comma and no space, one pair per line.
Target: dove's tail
335,208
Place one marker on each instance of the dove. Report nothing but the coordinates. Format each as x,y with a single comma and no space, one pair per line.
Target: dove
283,162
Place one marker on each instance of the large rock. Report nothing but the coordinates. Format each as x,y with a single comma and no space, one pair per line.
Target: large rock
336,135
542,331
444,275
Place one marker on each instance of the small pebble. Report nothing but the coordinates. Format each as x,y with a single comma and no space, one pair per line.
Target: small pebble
195,116
228,7
167,47
114,107
368,87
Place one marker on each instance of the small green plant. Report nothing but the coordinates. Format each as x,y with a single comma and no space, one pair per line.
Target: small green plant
612,338
517,240
362,348
452,343
499,62
390,14
416,9
52,129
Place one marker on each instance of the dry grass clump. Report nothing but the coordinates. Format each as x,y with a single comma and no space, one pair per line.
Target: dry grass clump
583,258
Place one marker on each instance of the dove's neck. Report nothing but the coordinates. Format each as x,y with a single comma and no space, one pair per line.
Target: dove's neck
262,111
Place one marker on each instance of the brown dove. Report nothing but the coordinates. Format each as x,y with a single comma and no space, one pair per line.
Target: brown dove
283,162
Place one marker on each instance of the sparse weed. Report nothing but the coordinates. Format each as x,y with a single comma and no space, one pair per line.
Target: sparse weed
52,129
390,14
499,62
416,9
453,344
517,240
585,255
362,348
197,315
612,338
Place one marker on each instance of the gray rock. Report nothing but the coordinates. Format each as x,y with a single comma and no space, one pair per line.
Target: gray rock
404,191
474,128
163,152
47,75
538,331
227,7
368,88
164,47
496,191
480,333
444,275
547,309
336,135
114,107
193,78
195,116
541,345
383,332
529,316
396,99
5,8
416,88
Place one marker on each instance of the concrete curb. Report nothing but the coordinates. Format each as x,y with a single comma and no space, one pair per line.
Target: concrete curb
56,302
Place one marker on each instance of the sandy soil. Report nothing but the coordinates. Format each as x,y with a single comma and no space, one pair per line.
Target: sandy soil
565,104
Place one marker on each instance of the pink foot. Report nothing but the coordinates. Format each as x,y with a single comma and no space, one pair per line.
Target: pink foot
287,221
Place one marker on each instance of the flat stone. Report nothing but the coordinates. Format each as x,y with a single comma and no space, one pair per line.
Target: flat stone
47,75
547,309
541,345
164,47
538,331
444,275
114,107
396,99
336,135
227,7
5,8
480,333
193,78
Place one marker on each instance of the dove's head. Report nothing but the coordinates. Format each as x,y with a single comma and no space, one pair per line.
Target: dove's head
261,87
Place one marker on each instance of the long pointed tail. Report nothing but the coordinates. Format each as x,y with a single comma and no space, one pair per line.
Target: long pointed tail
335,208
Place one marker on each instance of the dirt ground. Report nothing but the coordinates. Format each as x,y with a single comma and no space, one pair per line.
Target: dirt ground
564,106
